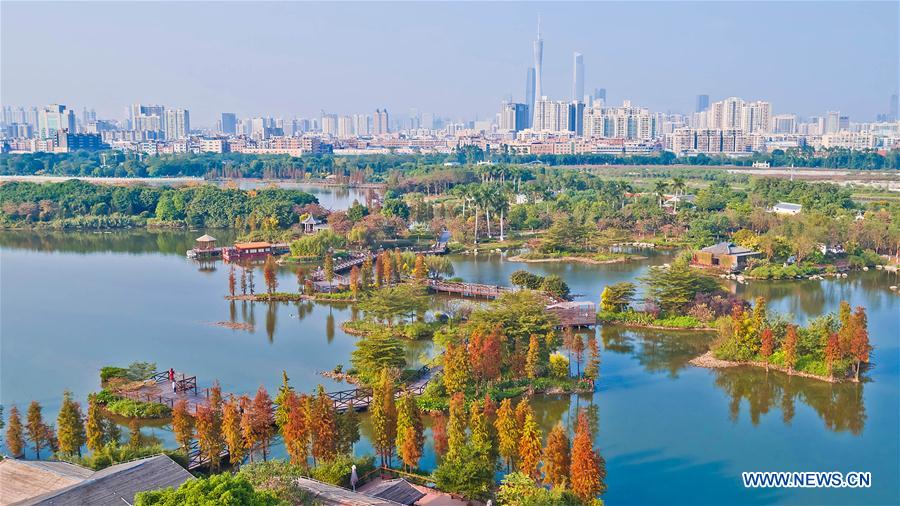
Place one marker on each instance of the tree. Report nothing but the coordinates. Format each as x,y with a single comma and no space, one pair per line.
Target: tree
231,281
269,274
391,302
387,267
354,281
554,285
375,352
525,279
323,421
832,352
617,297
182,425
530,448
587,470
209,438
348,431
384,417
70,423
519,489
675,288
456,368
328,267
456,427
556,457
767,345
262,420
420,272
38,431
295,430
859,344
508,433
578,350
247,433
790,347
282,411
533,359
231,430
95,427
439,432
410,432
15,438
592,368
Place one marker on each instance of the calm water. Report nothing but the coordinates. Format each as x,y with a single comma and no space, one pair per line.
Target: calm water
73,302
330,197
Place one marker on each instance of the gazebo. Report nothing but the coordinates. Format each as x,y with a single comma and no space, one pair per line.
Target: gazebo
309,224
205,242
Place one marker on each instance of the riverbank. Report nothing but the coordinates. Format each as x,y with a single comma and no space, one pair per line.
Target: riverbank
709,361
637,319
292,297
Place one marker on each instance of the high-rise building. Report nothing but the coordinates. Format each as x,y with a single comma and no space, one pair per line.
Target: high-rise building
329,124
362,125
832,122
600,94
702,103
578,78
345,127
551,115
53,118
380,122
229,123
529,93
538,65
148,121
784,124
513,117
622,122
178,124
755,117
428,120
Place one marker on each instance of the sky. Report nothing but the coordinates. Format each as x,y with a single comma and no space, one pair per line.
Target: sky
457,60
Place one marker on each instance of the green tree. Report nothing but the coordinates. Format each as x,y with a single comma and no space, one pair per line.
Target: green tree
95,428
384,417
617,297
410,431
375,352
530,448
675,287
391,302
554,285
70,423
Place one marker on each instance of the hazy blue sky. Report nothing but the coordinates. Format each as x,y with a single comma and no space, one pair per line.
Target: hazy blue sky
454,59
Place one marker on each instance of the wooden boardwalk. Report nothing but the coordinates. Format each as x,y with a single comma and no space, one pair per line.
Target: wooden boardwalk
438,248
159,389
477,290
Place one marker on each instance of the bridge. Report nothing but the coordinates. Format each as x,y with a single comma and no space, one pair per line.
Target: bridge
158,389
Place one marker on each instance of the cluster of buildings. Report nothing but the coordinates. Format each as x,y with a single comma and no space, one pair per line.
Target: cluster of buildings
585,123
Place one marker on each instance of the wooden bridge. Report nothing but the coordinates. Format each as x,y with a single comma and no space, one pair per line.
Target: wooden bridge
159,389
438,248
477,290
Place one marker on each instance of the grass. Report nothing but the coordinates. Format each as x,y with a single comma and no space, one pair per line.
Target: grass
640,319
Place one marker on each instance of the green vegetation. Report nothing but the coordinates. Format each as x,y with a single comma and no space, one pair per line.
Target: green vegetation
75,203
337,471
215,489
830,346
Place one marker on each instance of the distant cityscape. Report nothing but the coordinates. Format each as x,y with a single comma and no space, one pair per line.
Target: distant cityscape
584,123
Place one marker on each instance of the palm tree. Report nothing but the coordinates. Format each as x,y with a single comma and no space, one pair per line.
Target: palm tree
677,185
660,189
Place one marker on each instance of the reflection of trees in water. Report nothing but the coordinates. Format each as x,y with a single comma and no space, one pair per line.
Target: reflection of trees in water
656,350
271,320
232,312
174,242
839,405
329,327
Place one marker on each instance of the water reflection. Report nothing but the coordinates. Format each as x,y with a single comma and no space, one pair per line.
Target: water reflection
656,350
839,405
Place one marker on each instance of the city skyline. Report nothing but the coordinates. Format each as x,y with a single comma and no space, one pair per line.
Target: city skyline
238,74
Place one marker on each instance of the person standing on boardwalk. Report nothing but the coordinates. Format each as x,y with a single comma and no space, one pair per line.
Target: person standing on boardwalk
172,379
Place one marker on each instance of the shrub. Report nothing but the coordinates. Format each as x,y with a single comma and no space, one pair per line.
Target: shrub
337,470
137,409
559,365
112,372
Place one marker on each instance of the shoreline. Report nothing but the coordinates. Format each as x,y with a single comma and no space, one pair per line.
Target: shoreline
292,297
708,361
653,327
583,260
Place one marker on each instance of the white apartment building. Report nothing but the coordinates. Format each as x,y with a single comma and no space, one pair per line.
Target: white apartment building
551,115
622,122
849,140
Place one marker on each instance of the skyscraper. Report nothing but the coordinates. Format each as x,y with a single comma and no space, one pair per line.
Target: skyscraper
178,123
380,122
538,63
53,118
600,94
578,78
529,93
702,103
229,122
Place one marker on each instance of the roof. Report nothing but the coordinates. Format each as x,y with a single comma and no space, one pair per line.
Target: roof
206,238
398,490
728,248
310,220
23,479
334,495
115,484
787,206
250,245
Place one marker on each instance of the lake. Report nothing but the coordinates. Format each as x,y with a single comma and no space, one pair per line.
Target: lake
73,302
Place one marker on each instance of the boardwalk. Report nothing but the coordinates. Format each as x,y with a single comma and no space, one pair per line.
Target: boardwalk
477,290
439,248
159,389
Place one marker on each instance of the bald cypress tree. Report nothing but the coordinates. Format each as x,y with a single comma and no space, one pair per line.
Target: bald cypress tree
70,424
15,437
